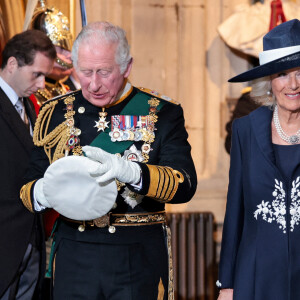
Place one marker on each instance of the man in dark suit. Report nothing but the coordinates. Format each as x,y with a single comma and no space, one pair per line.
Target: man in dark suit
26,59
111,239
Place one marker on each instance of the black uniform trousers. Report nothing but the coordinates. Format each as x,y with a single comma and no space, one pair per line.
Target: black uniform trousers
97,265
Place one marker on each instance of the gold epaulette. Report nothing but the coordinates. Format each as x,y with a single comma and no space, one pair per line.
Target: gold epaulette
59,136
164,182
158,95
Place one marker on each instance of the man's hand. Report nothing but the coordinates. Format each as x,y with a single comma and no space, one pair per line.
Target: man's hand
111,166
226,294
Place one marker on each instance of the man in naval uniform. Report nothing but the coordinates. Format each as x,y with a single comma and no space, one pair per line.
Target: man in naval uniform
108,158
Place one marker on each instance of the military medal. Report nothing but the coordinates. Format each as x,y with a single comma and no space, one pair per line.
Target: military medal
116,135
132,128
146,148
102,124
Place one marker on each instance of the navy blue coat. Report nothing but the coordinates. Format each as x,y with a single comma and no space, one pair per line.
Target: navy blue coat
260,254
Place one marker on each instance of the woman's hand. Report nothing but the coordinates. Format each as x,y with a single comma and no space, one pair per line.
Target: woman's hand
226,294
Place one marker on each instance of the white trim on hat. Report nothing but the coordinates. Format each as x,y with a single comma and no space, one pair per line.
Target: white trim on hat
270,55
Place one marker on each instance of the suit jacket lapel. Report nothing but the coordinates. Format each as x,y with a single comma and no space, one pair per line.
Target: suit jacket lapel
11,116
261,127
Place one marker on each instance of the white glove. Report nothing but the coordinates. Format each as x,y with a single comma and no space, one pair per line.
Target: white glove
111,166
38,193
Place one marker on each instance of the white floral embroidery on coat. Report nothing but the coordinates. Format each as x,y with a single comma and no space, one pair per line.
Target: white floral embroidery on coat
295,203
276,211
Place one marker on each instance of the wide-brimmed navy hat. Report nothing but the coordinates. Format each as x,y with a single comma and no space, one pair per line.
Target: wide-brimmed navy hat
281,52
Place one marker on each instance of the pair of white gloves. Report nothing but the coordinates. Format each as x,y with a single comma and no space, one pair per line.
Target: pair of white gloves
102,166
110,166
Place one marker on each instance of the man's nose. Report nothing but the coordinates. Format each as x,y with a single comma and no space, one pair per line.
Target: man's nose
41,82
95,83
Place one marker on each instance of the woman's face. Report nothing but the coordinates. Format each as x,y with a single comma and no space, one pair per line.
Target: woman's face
286,88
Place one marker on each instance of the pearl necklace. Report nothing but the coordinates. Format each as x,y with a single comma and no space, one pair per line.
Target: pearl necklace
292,139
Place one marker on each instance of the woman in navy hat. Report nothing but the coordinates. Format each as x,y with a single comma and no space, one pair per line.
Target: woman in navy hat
260,254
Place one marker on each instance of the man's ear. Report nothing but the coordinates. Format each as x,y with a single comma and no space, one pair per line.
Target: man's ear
128,69
12,64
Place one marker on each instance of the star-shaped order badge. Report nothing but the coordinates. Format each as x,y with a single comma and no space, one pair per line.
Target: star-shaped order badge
102,124
131,198
133,154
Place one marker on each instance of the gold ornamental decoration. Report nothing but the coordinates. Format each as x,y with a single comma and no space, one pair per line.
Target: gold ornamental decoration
55,24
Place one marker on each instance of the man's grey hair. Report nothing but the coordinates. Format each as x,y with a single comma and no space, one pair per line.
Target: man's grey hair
98,32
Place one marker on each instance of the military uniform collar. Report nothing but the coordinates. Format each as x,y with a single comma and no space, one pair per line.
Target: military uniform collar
123,94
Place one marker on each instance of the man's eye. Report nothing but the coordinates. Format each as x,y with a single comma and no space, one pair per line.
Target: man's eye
36,75
87,73
104,72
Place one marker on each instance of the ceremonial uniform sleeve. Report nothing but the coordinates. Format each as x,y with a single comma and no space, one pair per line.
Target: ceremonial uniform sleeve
39,162
233,223
38,166
170,174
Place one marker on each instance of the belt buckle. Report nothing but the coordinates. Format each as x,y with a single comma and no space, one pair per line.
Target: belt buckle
102,221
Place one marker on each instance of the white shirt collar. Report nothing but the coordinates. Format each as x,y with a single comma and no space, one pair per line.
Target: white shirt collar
9,91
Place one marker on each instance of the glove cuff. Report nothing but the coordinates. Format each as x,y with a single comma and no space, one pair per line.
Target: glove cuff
38,194
136,173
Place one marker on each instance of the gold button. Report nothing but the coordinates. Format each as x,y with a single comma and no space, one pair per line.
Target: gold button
81,228
112,229
81,109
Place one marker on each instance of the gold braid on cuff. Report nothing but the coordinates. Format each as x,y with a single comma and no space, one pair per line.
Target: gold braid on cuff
164,182
25,195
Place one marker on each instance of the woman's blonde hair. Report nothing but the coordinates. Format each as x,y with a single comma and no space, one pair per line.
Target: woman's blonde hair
261,91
